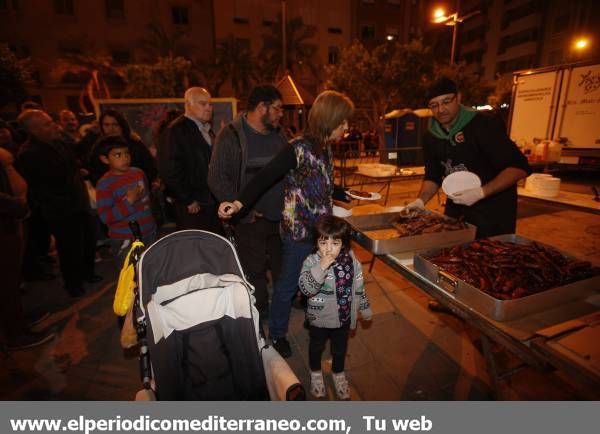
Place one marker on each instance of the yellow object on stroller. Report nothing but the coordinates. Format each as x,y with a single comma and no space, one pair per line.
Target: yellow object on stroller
126,286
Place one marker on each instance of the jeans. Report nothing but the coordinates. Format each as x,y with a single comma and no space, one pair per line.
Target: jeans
294,254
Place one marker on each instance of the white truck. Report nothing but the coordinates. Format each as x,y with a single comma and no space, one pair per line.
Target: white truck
560,103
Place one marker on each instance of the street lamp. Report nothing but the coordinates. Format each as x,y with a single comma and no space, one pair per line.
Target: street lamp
581,44
440,17
579,47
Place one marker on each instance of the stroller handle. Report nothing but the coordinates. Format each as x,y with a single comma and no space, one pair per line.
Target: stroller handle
134,226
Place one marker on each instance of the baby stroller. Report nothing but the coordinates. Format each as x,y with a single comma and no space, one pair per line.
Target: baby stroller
198,328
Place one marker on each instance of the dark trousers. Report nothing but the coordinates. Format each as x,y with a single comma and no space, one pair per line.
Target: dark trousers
338,347
258,245
37,243
206,220
76,247
11,310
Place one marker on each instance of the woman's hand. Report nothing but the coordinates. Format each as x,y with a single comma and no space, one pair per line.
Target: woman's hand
229,209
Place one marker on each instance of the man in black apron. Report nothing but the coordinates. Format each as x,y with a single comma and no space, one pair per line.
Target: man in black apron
460,139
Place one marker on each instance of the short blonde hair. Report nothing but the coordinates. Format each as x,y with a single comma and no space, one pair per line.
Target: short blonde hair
329,110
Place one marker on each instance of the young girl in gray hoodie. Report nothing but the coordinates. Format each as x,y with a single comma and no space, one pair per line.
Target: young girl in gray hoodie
332,279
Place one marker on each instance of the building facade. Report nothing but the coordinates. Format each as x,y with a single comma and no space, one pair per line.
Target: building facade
510,35
48,30
501,35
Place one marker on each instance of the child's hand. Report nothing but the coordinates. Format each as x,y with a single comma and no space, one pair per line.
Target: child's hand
134,193
326,261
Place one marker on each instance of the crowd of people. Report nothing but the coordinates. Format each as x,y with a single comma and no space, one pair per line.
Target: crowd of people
274,187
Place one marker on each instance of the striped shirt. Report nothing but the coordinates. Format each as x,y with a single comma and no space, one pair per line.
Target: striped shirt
115,210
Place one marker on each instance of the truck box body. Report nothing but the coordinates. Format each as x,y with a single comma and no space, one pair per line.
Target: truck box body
559,102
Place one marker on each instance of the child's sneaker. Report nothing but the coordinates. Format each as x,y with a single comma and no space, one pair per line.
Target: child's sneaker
342,390
317,385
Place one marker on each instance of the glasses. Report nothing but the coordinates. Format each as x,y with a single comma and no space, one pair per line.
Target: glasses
444,103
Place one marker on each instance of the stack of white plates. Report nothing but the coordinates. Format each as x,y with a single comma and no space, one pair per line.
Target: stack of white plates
542,184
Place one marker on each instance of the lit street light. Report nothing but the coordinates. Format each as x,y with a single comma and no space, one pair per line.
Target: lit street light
579,47
440,17
581,44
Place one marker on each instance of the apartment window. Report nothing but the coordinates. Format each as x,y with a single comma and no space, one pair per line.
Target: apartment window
4,5
240,20
519,38
64,7
334,30
243,43
36,76
21,51
516,64
561,23
69,48
476,33
333,55
367,31
473,56
556,57
121,57
519,12
115,9
180,15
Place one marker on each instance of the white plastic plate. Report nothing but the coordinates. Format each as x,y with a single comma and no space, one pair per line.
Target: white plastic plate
460,181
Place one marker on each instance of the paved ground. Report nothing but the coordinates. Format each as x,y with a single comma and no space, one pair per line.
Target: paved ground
406,353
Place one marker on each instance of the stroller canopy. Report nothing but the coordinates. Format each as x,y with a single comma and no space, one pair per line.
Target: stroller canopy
203,327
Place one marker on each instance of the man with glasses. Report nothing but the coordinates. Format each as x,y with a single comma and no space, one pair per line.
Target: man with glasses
242,148
460,139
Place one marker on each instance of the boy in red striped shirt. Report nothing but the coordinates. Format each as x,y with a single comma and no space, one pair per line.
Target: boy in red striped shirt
122,196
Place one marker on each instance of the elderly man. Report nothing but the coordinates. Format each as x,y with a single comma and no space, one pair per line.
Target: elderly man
242,148
184,168
460,139
57,190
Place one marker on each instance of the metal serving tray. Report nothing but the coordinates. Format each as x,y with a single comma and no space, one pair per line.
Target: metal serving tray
363,223
503,310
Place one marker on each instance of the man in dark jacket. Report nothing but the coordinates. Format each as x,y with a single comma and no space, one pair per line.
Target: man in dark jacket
184,167
13,209
56,188
463,140
242,148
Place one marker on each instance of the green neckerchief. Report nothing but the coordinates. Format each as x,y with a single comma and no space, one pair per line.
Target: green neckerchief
464,117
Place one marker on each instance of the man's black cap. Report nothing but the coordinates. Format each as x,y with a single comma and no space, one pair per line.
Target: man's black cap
442,86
